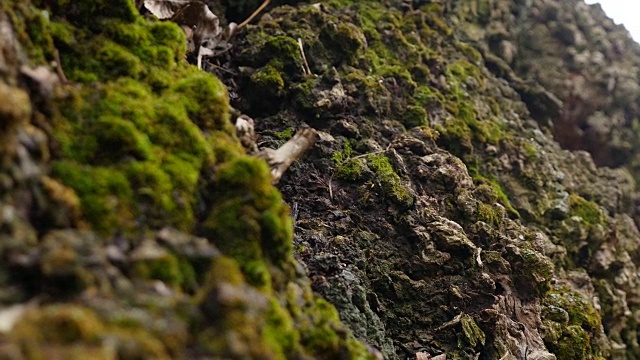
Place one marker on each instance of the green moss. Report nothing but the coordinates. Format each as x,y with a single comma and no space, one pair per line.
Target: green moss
153,192
537,270
205,99
284,51
164,268
578,339
462,69
343,155
269,80
347,168
473,335
472,54
280,332
400,74
138,37
346,37
118,139
31,27
166,33
131,35
60,324
133,137
456,136
319,333
250,221
92,14
427,97
414,116
105,194
390,181
530,150
76,332
350,170
176,132
224,270
303,96
285,134
489,214
467,124
111,59
494,186
139,123
588,211
435,18
15,110
320,337
573,344
581,311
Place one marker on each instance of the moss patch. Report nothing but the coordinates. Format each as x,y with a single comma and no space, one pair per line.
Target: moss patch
577,340
142,138
390,181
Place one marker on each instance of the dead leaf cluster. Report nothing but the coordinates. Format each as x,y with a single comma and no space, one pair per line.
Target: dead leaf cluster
202,27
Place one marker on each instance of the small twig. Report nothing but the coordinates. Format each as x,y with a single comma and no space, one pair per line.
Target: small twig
371,153
255,13
327,183
294,212
305,67
218,67
63,77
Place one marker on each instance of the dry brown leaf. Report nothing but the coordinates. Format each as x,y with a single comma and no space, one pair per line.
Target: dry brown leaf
163,9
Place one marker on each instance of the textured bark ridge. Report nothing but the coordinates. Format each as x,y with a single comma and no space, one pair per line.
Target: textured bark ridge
463,186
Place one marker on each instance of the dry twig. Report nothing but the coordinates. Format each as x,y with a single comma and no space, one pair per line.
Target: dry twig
305,67
255,13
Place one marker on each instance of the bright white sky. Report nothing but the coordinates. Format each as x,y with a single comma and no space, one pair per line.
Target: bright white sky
623,11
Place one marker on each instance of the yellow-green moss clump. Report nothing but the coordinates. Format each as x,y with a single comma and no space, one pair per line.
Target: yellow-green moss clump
588,211
134,138
297,327
390,181
76,332
571,324
250,221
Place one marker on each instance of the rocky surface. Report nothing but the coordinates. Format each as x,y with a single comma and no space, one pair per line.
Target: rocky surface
578,54
445,209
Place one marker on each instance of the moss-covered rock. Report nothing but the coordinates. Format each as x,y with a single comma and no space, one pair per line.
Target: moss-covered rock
434,211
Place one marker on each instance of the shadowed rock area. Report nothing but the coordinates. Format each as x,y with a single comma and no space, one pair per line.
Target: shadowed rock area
471,193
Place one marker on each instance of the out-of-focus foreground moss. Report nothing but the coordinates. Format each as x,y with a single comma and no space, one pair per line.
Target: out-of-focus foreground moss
142,141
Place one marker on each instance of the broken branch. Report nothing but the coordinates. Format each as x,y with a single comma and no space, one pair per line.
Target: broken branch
280,160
